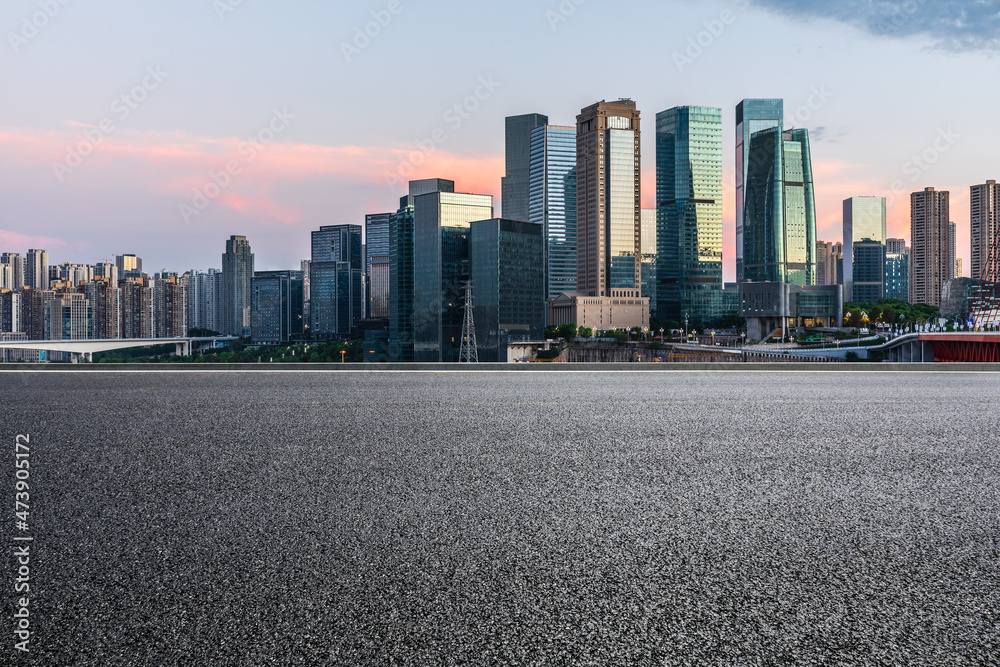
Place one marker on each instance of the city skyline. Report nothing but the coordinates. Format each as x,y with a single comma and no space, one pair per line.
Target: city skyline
322,162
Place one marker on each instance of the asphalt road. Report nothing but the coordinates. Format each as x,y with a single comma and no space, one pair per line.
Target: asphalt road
537,518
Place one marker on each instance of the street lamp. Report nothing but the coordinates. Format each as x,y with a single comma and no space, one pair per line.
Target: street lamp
342,354
661,334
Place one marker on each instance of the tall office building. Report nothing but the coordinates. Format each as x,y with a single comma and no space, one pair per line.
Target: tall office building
752,116
336,281
237,276
441,223
36,269
400,347
779,210
984,218
16,264
609,219
930,253
689,214
864,218
377,264
276,307
829,260
869,270
508,283
514,186
129,266
897,270
647,271
552,202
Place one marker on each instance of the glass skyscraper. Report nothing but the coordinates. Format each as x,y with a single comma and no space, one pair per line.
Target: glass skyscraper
864,219
335,281
237,276
440,269
276,308
507,284
751,116
377,264
514,186
779,209
552,203
869,270
689,214
897,270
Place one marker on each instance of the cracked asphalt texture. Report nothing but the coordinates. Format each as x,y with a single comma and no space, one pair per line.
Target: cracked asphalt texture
507,518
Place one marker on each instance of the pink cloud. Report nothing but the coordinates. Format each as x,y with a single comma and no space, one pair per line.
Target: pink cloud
10,240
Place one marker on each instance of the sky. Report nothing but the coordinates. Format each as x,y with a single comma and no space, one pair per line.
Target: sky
162,128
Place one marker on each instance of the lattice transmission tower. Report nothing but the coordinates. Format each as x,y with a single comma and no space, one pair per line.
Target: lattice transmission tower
984,306
470,350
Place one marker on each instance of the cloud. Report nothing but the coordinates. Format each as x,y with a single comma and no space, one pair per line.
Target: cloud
954,25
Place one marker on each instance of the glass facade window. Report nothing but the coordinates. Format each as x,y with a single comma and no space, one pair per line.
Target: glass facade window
377,264
864,218
336,294
515,185
752,116
277,306
897,276
689,214
552,203
869,270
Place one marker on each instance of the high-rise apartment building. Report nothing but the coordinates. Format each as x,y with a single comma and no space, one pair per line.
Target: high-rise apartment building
170,308
689,214
277,307
985,224
15,264
105,301
129,266
237,276
138,305
952,250
10,311
752,116
552,202
400,347
929,249
441,223
609,219
336,281
36,269
377,248
864,219
897,270
34,313
779,210
514,186
69,317
829,262
508,284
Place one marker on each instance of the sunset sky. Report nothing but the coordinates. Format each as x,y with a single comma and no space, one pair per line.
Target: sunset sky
162,128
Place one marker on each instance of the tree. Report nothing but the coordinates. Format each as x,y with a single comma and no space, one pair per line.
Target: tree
567,331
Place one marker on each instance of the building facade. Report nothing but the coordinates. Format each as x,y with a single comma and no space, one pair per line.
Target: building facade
869,271
864,219
689,215
276,307
36,270
237,277
15,264
897,270
930,256
774,307
508,284
377,252
752,116
984,212
552,202
829,262
514,186
336,285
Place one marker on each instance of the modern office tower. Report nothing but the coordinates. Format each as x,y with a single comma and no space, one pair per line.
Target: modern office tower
552,202
984,218
377,264
104,297
69,317
138,305
829,259
689,214
304,268
277,307
237,275
34,313
400,347
508,284
107,271
952,250
869,271
929,250
864,218
647,271
897,275
336,284
16,263
752,116
514,186
36,269
129,266
170,308
10,311
779,214
440,269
